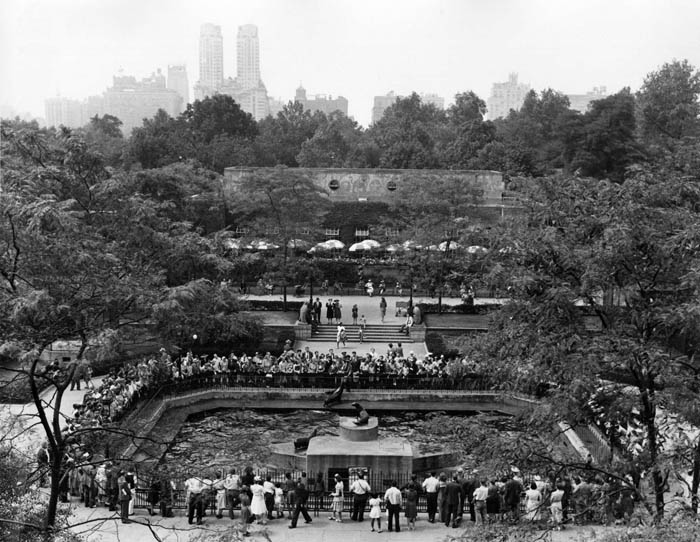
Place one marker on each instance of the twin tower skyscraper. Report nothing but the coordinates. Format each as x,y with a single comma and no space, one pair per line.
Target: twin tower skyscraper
247,88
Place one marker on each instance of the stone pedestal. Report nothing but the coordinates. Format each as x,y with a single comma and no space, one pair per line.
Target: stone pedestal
387,455
359,433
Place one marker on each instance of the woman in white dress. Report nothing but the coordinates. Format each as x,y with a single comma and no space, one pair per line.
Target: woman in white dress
257,505
533,502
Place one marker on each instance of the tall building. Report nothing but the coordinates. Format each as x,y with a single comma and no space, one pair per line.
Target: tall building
275,105
506,96
131,101
580,102
61,111
211,57
248,56
382,103
247,89
177,81
321,102
434,99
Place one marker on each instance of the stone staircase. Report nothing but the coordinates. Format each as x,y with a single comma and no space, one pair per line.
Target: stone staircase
374,333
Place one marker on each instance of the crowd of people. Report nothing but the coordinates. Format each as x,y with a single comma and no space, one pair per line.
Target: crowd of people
450,498
305,368
581,498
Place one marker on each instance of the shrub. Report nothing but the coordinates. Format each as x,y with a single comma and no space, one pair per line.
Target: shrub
462,308
273,305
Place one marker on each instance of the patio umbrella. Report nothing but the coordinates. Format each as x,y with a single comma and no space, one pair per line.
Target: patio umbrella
298,243
411,245
331,244
371,243
236,244
263,245
358,247
453,245
476,249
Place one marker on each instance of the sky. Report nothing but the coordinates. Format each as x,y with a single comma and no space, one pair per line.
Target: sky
353,48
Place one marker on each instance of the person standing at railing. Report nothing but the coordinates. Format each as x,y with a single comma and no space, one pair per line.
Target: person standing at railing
480,495
430,486
257,503
194,487
232,487
338,500
218,486
360,490
125,497
412,491
393,500
452,502
269,495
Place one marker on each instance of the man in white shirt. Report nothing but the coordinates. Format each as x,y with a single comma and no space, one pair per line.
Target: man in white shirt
393,505
360,490
430,486
480,495
194,487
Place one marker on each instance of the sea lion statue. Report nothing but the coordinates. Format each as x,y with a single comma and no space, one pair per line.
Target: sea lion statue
302,443
334,397
362,416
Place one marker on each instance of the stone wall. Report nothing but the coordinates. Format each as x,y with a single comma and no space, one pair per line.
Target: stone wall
378,184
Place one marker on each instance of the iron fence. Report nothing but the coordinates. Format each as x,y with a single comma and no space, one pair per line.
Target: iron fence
466,382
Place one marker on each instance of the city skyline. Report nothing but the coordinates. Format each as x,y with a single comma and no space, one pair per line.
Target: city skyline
353,49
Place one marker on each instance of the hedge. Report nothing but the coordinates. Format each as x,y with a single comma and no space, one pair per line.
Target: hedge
462,308
273,305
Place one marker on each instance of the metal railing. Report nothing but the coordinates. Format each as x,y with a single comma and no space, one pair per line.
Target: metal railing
308,381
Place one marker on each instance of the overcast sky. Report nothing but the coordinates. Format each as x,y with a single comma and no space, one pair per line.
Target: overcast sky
354,48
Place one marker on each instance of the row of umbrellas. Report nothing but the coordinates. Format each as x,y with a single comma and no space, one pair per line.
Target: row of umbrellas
362,246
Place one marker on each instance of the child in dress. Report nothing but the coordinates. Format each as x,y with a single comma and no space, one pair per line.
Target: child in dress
279,500
375,512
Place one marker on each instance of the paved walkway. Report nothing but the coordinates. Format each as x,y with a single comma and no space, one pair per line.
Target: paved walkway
369,306
319,530
20,422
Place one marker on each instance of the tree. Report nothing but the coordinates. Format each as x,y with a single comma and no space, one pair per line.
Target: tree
279,205
104,136
533,137
624,251
218,115
85,254
607,143
208,311
668,104
337,142
432,225
469,132
408,134
281,137
159,142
